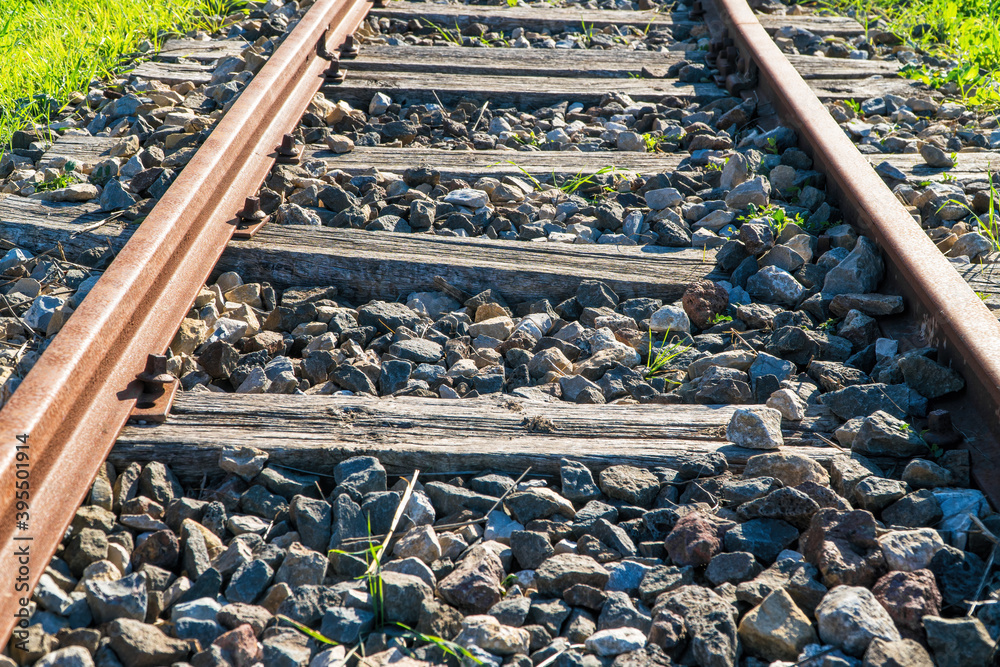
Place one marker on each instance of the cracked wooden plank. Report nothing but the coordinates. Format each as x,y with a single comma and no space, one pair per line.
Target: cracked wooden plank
498,434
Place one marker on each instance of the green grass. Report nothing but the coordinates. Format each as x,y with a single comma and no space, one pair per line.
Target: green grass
964,31
51,49
659,358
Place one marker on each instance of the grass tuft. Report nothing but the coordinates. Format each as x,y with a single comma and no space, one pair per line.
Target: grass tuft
965,33
51,49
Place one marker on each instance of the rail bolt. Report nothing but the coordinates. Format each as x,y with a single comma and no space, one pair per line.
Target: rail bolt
334,74
251,212
349,49
940,431
288,152
155,375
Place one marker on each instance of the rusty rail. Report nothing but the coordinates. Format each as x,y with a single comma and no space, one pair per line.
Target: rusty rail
76,399
950,314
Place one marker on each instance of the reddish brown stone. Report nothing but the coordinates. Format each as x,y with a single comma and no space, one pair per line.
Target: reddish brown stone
241,645
265,340
161,549
474,585
520,340
843,548
908,597
694,540
668,630
703,300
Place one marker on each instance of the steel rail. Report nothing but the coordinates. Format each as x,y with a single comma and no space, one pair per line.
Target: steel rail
73,403
950,314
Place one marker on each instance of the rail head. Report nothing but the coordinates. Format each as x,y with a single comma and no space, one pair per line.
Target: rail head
950,314
70,407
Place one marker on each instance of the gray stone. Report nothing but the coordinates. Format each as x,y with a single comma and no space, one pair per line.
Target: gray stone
124,598
249,582
664,578
958,574
360,474
619,611
914,510
301,567
882,434
530,548
636,486
114,197
663,198
562,571
849,617
404,595
610,643
929,378
448,499
577,482
312,519
764,538
71,656
537,503
511,611
859,273
958,642
864,399
795,577
755,191
935,157
346,625
474,584
288,648
733,568
876,493
139,645
755,428
710,622
774,285
904,653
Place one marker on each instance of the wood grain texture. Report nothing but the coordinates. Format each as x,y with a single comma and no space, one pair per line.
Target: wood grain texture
462,164
38,226
971,165
508,18
412,87
578,62
490,433
386,265
202,51
81,149
171,73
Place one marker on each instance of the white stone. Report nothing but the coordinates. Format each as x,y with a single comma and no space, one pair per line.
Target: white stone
379,104
885,348
468,197
957,505
849,617
71,656
670,318
910,550
615,641
756,428
663,198
14,257
228,330
41,311
789,404
499,527
420,542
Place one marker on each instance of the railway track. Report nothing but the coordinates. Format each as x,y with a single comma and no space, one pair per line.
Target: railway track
520,210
